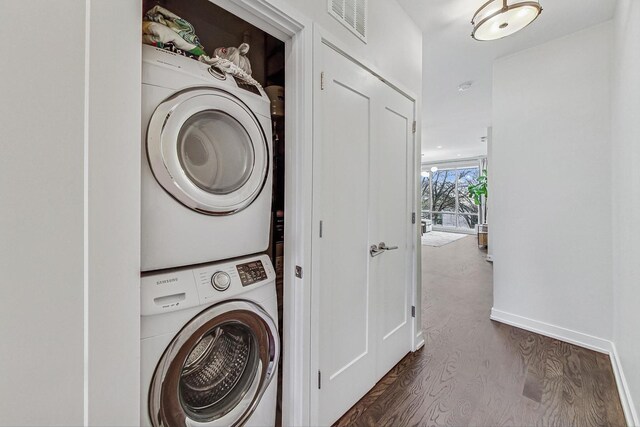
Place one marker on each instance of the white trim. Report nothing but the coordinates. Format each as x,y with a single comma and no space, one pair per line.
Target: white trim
454,163
324,36
281,20
630,413
297,376
582,340
419,341
85,285
563,334
455,230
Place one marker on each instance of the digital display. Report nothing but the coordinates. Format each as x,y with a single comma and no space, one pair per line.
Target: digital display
251,272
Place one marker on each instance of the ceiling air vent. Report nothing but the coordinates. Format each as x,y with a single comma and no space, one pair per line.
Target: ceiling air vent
352,14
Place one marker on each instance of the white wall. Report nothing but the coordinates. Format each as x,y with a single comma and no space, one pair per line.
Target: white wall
626,192
113,216
70,126
551,183
394,41
41,213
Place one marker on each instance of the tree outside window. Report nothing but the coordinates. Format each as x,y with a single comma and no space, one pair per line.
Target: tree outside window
446,199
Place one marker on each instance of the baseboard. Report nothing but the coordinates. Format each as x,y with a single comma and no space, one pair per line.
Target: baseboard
582,340
567,335
418,341
623,389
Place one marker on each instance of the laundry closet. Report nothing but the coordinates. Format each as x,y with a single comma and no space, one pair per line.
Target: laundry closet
212,217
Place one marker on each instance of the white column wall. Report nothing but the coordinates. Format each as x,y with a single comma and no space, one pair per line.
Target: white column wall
113,162
41,212
69,212
551,186
626,203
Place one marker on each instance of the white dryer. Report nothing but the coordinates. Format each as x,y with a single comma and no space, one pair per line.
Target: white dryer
210,345
206,170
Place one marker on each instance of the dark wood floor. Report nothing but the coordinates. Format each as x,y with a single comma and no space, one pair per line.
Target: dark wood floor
476,372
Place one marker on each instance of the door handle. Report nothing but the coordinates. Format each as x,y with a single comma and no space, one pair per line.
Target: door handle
380,248
384,247
375,251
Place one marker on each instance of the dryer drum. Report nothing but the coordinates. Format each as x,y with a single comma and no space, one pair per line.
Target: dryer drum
215,152
217,368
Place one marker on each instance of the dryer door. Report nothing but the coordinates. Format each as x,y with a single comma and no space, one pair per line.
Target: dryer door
216,369
207,149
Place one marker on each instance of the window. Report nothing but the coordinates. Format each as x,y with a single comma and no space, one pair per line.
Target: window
446,200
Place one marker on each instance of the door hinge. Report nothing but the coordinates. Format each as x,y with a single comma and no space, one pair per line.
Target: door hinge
298,272
322,80
319,380
413,218
413,311
414,127
320,229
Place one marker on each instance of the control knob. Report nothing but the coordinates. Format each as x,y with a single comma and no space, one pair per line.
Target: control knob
220,281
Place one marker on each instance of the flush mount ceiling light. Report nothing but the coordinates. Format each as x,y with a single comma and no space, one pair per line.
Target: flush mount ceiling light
425,174
434,169
497,18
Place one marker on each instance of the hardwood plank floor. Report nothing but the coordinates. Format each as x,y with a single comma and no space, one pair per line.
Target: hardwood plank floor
476,372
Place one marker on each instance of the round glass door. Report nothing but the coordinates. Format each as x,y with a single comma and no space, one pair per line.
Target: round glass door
208,151
215,152
217,368
218,372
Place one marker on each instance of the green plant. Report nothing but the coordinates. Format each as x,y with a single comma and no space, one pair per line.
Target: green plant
479,190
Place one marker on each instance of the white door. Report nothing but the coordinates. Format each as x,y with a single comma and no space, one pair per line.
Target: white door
341,206
392,167
361,189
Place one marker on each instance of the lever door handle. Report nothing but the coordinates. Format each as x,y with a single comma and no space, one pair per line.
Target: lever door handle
380,248
384,247
375,251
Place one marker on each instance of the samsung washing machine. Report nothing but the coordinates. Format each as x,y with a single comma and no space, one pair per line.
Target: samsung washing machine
206,171
210,345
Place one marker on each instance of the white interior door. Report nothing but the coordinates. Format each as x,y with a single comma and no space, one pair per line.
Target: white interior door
341,206
361,198
392,166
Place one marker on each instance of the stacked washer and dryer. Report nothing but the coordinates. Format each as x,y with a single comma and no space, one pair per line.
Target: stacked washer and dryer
209,344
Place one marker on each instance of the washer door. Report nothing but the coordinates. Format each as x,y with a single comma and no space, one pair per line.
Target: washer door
208,151
216,369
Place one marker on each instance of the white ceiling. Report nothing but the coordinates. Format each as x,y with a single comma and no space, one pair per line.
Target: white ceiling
457,120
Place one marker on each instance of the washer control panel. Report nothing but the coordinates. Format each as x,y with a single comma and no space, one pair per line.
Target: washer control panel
220,280
251,272
182,288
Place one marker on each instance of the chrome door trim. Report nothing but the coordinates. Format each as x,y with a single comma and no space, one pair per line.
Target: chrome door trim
182,344
163,158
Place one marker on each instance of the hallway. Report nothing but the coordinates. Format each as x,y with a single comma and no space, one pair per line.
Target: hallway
473,371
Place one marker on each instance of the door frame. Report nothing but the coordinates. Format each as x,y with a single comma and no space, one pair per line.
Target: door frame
323,37
284,22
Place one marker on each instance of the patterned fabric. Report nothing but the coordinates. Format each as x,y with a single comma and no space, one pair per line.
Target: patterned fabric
161,27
